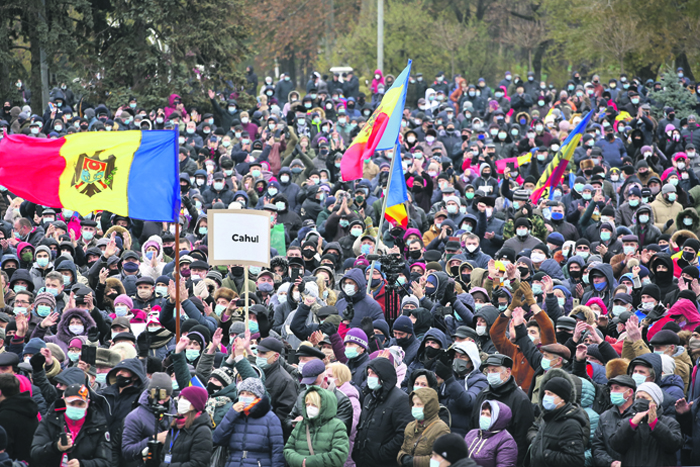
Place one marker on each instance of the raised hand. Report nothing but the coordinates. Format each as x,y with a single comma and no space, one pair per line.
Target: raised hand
216,341
182,344
634,332
581,352
50,320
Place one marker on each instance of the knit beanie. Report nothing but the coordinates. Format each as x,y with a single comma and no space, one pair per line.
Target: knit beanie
34,346
451,447
223,375
653,291
45,298
653,390
357,336
253,386
403,324
162,381
559,386
197,397
124,300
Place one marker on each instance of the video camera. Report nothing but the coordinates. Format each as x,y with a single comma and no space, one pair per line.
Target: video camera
159,410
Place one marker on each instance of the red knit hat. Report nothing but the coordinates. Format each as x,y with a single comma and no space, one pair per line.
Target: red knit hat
197,397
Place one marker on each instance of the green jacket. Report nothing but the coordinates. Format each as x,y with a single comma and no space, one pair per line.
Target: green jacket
329,437
228,282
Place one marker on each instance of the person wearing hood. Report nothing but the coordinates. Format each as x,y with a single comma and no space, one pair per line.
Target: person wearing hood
432,349
503,388
89,441
563,430
460,384
73,322
473,252
354,288
661,266
602,283
648,368
491,445
385,414
421,433
483,321
125,383
648,437
643,226
313,204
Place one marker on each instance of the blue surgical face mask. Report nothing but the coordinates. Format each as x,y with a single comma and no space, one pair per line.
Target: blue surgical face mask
261,362
101,378
545,363
537,289
484,422
617,310
373,383
548,403
253,326
351,352
417,413
494,379
617,398
605,236
191,354
600,286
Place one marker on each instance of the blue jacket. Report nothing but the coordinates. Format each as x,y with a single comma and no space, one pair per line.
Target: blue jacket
139,426
253,440
613,152
363,304
460,399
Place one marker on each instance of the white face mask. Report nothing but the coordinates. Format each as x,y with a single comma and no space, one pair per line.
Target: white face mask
312,411
349,289
183,406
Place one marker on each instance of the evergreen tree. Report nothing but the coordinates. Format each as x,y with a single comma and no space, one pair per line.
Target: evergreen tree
672,94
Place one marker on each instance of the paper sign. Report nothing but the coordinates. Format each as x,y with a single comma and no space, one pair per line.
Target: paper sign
239,236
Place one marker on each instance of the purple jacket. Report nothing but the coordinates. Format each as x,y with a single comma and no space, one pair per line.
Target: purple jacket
63,335
349,390
495,447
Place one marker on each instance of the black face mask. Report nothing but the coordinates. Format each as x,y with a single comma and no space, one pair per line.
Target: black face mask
123,381
415,254
575,274
403,342
688,256
169,250
308,254
563,336
454,270
237,271
467,278
213,388
523,271
10,271
432,352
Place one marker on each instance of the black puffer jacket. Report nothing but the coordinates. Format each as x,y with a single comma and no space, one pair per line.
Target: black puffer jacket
385,414
192,446
645,446
561,438
92,447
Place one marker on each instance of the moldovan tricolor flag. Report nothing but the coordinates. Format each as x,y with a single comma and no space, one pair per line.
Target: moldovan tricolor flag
381,130
130,173
396,196
553,173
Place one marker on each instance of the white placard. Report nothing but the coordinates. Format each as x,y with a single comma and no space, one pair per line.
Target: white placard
239,236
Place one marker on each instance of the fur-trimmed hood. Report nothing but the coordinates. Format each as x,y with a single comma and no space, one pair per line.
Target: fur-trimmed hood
64,333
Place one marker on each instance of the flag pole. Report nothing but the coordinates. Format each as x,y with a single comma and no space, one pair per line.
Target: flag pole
381,219
177,280
245,278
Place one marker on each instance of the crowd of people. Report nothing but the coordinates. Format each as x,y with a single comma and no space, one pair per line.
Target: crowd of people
495,330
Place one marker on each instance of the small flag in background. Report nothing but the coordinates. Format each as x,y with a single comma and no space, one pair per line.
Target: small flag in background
553,173
197,383
395,211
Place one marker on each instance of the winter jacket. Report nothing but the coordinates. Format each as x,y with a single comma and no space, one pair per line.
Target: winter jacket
385,414
328,435
343,409
410,348
18,416
116,405
664,212
189,447
420,435
282,390
139,427
609,423
523,416
92,447
254,439
644,446
561,438
363,304
351,392
459,394
422,360
494,447
64,335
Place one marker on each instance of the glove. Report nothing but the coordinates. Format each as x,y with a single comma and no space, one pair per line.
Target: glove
443,370
200,290
301,286
527,294
37,362
93,334
143,344
515,302
669,223
367,326
407,461
349,312
328,328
